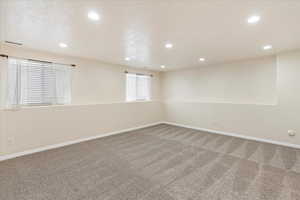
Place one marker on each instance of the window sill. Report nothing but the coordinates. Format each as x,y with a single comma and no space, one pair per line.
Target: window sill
12,109
134,101
20,107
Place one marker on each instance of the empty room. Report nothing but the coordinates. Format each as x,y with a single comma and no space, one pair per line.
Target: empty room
149,100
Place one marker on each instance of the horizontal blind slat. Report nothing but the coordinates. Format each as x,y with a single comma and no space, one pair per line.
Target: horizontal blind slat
31,82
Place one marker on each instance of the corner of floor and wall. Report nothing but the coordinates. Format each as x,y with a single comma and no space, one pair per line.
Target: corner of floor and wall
261,102
98,107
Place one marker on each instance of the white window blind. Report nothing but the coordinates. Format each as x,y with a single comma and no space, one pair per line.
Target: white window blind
138,87
38,83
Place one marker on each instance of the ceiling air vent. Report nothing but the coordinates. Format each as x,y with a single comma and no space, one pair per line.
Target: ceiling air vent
14,43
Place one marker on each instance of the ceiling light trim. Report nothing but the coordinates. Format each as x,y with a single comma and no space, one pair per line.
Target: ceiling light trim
254,19
169,45
94,16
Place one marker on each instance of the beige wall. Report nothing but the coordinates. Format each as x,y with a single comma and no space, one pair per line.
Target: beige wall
268,115
98,106
252,81
257,98
2,99
35,127
2,139
92,81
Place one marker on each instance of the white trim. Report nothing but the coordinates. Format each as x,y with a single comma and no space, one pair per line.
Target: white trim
222,102
236,135
49,147
73,105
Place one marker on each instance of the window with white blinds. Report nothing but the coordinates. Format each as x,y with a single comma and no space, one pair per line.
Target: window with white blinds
138,87
38,83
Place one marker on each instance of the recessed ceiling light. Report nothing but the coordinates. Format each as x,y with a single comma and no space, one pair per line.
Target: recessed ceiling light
253,19
63,45
202,59
127,59
267,47
162,66
93,16
169,45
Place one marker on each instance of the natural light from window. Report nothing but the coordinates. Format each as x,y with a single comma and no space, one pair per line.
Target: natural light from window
38,83
138,87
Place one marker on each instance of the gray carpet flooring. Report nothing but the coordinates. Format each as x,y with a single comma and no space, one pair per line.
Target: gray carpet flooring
162,162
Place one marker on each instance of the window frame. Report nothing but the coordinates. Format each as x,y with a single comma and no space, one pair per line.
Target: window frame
138,99
43,75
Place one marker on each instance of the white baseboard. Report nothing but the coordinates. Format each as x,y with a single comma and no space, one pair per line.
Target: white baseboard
236,135
49,147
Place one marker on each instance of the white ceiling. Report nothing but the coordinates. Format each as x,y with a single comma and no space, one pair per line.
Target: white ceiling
214,29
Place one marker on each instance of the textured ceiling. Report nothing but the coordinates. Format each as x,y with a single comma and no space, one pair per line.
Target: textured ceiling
214,29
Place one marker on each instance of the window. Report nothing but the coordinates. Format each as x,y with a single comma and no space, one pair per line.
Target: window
138,87
38,83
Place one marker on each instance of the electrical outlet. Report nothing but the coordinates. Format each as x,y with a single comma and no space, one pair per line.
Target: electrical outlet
291,133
